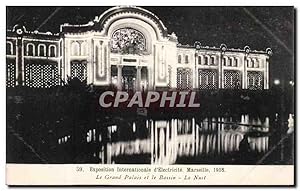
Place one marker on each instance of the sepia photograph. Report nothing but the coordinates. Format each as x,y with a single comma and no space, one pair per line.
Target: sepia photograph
150,85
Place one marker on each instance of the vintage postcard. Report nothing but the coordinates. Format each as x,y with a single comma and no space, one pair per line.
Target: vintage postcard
128,95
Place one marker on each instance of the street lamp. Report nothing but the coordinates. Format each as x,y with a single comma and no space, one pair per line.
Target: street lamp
276,82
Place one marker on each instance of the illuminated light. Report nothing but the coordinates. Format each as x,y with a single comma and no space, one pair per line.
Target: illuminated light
276,82
134,127
292,83
14,38
19,31
114,80
113,128
40,40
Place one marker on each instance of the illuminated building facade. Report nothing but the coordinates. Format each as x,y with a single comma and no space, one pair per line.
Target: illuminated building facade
128,48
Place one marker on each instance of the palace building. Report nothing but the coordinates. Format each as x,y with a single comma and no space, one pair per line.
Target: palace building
128,48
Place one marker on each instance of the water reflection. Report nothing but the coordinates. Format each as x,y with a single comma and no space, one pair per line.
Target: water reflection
179,140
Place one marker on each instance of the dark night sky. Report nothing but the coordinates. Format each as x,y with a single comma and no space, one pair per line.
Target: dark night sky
234,26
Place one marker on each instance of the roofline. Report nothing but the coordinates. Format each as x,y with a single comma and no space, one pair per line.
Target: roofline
227,49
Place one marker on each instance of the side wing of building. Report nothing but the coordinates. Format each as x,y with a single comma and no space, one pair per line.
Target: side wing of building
33,59
221,68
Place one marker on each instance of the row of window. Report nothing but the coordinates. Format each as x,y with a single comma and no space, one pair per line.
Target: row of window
79,48
208,79
252,63
186,59
46,75
210,60
226,61
207,60
42,50
230,61
30,50
43,75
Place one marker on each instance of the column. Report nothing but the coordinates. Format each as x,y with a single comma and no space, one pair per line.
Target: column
19,61
67,60
89,63
153,72
150,78
17,64
196,85
266,74
138,78
245,80
155,142
152,141
119,84
168,146
220,72
194,138
22,62
197,142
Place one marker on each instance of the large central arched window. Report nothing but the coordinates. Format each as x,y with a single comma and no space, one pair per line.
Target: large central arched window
128,41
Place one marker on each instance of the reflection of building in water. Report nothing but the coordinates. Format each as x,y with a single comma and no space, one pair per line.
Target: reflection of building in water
176,138
130,48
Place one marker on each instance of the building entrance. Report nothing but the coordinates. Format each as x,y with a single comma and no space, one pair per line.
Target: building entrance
129,82
130,78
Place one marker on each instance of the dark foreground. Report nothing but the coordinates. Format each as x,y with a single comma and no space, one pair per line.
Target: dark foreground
65,125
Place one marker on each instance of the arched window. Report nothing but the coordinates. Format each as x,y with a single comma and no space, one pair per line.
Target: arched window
75,49
206,60
9,48
52,51
212,60
179,59
199,60
255,63
186,59
249,63
128,41
30,49
260,64
235,63
42,50
231,61
252,63
224,62
83,49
